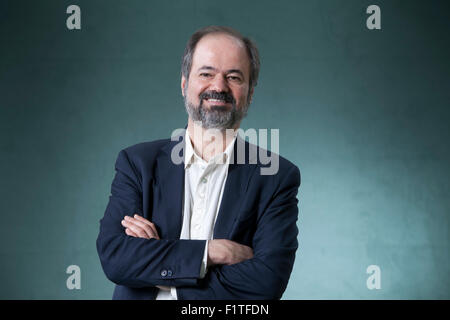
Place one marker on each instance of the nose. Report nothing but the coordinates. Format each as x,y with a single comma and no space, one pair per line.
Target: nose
219,84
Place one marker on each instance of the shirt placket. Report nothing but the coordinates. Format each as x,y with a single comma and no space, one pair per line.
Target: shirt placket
200,201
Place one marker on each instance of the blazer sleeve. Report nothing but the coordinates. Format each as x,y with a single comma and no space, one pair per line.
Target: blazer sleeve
266,275
138,262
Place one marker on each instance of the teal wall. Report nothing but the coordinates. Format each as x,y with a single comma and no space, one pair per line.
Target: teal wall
365,114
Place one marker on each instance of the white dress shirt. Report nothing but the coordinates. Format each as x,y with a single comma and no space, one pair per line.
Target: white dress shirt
204,183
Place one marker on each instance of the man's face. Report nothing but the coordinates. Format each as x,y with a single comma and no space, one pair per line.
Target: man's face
217,92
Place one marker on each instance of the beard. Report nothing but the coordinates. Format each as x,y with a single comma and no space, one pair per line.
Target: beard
216,116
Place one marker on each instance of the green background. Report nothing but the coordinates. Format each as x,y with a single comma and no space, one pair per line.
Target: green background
363,113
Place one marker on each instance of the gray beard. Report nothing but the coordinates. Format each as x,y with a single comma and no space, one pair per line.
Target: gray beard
217,117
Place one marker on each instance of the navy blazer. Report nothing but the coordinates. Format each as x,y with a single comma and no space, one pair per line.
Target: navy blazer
256,210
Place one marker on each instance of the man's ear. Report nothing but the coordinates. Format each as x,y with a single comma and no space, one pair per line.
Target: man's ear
183,83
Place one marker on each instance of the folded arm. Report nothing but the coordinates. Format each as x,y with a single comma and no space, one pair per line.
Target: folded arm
235,271
140,262
265,276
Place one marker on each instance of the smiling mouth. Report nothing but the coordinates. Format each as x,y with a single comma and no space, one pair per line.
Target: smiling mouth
217,101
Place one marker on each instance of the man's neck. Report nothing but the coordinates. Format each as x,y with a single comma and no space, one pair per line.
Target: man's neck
208,143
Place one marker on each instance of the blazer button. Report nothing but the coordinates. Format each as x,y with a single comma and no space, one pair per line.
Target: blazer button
169,273
164,273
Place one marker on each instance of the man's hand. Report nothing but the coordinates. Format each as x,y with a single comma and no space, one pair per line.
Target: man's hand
222,251
140,227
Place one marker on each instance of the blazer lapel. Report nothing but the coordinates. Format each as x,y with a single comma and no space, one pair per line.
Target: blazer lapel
171,184
235,188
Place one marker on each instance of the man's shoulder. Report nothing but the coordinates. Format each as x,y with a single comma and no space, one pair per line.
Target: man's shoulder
147,147
266,158
145,152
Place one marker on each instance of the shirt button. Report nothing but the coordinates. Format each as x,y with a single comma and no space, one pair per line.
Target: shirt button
204,180
164,273
169,273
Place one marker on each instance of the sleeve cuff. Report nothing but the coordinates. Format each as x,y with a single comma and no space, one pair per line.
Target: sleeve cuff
173,292
203,268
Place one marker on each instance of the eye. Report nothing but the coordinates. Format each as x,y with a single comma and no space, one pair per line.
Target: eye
234,78
205,75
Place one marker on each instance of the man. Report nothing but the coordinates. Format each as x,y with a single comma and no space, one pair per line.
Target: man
211,226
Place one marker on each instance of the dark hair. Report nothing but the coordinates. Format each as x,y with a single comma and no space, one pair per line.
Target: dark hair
252,51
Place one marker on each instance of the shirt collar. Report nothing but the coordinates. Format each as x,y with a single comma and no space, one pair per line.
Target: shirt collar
191,156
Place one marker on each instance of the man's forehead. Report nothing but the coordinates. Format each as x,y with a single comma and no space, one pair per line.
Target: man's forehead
220,48
220,38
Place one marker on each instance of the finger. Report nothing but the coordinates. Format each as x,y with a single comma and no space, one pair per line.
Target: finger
151,224
131,233
142,219
248,252
242,253
143,226
136,229
165,288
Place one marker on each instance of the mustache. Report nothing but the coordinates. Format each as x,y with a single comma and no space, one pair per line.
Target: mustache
225,96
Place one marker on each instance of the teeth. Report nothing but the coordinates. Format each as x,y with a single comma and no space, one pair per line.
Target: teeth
215,100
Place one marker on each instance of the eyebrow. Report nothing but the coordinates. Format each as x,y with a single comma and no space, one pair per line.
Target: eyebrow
228,71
